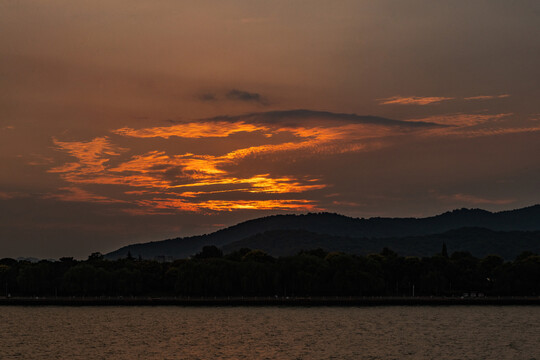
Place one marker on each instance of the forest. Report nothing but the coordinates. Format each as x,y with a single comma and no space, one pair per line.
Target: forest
251,273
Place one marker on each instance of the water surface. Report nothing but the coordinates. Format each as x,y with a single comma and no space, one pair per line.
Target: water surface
394,332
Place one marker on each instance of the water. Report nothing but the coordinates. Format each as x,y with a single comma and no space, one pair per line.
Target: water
481,332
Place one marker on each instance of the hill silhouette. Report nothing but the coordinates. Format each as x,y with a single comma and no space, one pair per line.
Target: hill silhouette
359,235
479,242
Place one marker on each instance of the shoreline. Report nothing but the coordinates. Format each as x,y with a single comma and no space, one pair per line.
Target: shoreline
269,301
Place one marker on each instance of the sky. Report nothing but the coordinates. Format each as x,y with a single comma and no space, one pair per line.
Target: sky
134,121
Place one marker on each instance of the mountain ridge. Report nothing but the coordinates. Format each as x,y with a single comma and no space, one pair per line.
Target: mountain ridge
480,242
337,225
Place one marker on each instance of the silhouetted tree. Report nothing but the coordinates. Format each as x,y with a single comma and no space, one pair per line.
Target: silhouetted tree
209,251
255,273
258,256
95,257
444,251
4,282
238,255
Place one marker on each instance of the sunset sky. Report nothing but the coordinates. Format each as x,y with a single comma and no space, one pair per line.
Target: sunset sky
133,121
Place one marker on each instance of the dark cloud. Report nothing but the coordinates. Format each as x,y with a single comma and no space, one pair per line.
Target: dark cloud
247,96
297,116
234,95
207,97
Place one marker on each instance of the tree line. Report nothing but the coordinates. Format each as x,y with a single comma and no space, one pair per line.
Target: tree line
249,273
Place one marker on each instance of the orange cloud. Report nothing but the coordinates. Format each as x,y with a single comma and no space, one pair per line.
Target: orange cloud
159,162
413,100
224,205
91,155
478,125
150,170
179,182
168,175
265,184
265,149
462,120
295,205
337,139
192,130
256,184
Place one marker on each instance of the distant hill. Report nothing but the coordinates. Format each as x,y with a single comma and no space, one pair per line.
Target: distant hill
478,241
335,226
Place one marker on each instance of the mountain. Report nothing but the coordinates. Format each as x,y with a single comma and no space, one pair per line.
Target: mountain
479,242
339,226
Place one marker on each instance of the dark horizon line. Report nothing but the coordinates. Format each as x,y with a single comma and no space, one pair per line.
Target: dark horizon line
262,301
